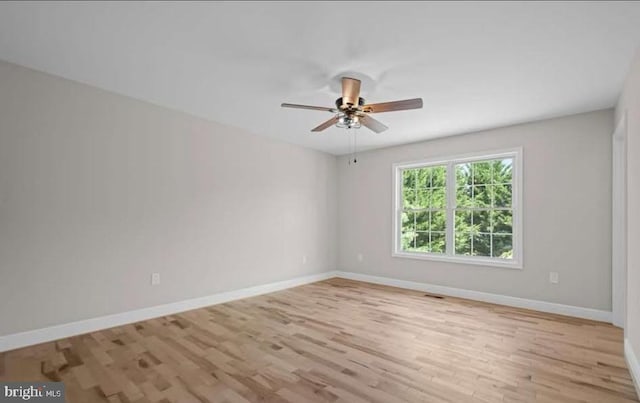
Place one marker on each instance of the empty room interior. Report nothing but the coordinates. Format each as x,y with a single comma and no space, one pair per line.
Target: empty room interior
319,201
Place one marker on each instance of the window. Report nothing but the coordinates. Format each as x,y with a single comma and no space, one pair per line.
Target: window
465,209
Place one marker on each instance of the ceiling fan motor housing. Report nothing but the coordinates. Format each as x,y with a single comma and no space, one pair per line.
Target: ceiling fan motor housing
342,103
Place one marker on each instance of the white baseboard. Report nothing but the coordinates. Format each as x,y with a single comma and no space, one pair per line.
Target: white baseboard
37,336
569,310
633,364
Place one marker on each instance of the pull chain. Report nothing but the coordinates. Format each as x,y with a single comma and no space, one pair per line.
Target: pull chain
350,146
353,146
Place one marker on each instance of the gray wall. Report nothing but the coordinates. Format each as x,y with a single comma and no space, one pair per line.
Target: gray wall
97,191
630,103
567,209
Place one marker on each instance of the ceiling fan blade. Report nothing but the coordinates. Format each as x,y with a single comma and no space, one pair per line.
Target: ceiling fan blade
372,124
350,91
315,108
415,103
326,124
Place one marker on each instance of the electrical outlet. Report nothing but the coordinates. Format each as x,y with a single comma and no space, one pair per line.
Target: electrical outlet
553,277
304,259
155,278
360,257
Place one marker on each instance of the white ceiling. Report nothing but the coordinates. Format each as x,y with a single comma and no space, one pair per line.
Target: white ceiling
476,64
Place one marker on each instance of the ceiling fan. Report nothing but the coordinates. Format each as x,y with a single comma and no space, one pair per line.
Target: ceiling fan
351,111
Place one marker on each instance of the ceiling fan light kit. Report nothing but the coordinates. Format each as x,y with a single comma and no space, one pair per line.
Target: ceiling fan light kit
352,112
348,122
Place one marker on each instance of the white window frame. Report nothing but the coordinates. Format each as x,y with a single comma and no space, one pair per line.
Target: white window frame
515,263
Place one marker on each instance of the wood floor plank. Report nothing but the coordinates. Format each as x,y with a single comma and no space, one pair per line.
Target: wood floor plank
339,341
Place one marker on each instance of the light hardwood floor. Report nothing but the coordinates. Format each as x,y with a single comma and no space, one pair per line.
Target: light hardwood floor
339,340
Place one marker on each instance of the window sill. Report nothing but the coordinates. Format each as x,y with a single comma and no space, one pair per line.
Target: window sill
513,264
